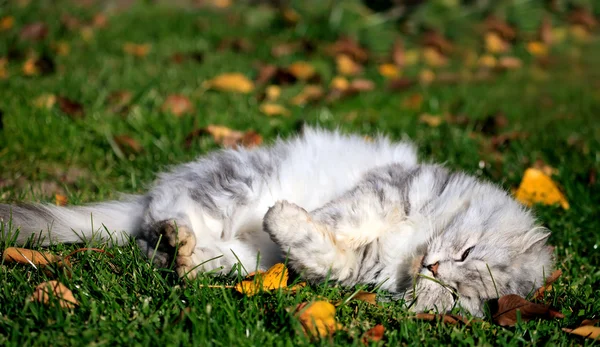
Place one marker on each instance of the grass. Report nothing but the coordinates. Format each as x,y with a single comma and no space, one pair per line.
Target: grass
123,300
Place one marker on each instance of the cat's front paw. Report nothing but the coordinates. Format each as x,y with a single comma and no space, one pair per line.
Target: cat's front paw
287,223
181,237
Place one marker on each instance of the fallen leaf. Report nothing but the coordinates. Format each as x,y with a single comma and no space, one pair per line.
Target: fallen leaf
438,42
510,63
398,55
54,289
349,47
367,297
283,49
375,334
317,318
60,200
309,94
70,22
426,76
61,48
128,144
274,278
545,33
34,32
545,168
271,109
34,66
494,24
119,100
389,70
3,64
537,187
69,107
433,57
346,66
487,61
231,82
547,285
339,83
46,101
302,70
431,120
6,23
589,322
178,105
361,85
504,310
272,92
582,16
588,331
238,45
537,49
180,57
226,136
402,83
495,44
137,50
99,20
413,102
28,256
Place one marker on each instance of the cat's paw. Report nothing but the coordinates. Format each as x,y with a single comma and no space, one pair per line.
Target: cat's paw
182,239
287,223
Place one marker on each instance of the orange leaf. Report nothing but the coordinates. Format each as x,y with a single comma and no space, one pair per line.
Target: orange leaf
178,105
310,93
274,278
231,82
367,297
6,23
389,70
433,57
431,120
302,70
495,44
548,285
537,187
538,49
374,334
589,331
28,256
137,50
271,109
317,318
128,144
46,290
505,313
347,66
60,200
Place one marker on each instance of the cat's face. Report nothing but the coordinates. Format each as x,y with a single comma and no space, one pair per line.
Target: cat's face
487,248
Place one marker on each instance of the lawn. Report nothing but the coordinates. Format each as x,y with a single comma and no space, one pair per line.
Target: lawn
97,97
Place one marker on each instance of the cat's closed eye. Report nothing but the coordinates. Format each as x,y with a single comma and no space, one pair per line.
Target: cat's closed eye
465,254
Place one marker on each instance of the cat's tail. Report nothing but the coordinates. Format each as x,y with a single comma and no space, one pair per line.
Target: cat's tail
110,221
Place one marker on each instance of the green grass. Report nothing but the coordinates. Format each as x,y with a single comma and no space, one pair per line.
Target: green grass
123,300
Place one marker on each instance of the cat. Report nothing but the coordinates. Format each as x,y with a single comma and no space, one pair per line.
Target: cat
338,207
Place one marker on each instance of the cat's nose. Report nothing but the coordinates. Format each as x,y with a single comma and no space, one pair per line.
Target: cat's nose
433,268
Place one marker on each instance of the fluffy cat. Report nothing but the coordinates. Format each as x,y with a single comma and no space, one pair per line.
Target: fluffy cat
338,206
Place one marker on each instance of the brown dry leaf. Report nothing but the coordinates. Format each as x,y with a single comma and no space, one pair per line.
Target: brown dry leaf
545,31
537,187
445,318
71,108
6,23
119,100
28,256
226,136
317,318
389,70
346,66
436,40
547,285
349,47
361,85
283,49
34,66
431,120
367,297
60,200
375,334
495,24
495,44
398,55
510,63
54,289
178,105
505,314
302,70
537,49
588,331
137,50
3,72
398,84
413,102
271,109
238,45
309,94
274,278
99,20
266,73
34,32
294,288
128,144
434,58
231,82
70,22
583,17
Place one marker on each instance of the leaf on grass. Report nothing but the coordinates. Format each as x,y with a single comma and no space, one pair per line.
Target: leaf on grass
504,310
45,291
340,83
309,94
537,49
272,92
138,50
413,102
226,137
398,84
128,144
317,318
389,70
495,44
537,187
547,285
34,66
28,256
444,318
588,331
230,82
361,85
510,63
350,48
46,101
6,23
271,109
34,32
431,120
302,70
178,105
346,66
70,107
375,334
274,278
119,100
433,57
60,200
367,297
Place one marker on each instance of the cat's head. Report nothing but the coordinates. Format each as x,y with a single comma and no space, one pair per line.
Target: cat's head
485,245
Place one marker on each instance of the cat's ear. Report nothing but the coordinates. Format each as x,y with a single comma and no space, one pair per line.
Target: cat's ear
535,238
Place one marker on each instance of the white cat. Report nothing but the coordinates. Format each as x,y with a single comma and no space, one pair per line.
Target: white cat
339,207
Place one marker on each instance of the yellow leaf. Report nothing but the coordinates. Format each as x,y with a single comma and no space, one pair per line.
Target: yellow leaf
308,94
433,57
588,331
559,35
87,33
537,187
537,49
367,297
60,200
431,120
137,50
273,92
46,101
347,66
426,76
579,32
494,43
271,109
302,70
231,82
6,23
275,277
339,83
488,61
389,70
46,290
317,318
30,67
